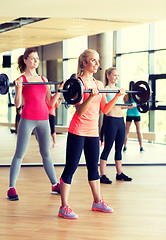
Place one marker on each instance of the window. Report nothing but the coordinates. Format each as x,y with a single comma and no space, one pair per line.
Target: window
8,114
160,91
72,48
160,35
134,46
134,67
160,61
134,39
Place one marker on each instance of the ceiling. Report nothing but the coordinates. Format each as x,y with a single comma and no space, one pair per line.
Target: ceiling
66,19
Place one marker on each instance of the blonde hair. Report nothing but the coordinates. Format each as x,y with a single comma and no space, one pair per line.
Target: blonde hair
108,71
83,57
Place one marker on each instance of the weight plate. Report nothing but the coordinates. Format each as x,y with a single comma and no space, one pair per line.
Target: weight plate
143,94
74,91
4,84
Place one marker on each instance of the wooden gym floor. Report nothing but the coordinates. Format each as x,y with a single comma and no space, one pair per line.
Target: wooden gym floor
140,205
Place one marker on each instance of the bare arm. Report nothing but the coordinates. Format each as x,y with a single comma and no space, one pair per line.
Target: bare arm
59,102
18,92
52,100
125,99
106,107
82,107
112,103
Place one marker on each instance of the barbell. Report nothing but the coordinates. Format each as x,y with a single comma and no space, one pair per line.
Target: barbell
142,108
73,89
4,84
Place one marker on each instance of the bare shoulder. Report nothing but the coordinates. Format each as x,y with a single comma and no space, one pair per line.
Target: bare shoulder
19,79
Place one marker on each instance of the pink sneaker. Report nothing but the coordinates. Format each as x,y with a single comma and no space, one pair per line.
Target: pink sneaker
55,145
56,189
67,213
12,195
101,206
102,144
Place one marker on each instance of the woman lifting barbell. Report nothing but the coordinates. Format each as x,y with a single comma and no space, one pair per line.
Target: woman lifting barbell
83,134
113,130
34,116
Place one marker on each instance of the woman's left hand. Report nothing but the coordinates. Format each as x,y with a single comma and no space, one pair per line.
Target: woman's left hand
121,92
61,85
94,92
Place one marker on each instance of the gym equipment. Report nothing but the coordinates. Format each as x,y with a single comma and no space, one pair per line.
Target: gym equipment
73,91
4,84
142,108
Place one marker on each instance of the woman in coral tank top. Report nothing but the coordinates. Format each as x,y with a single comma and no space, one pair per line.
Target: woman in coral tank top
34,116
83,133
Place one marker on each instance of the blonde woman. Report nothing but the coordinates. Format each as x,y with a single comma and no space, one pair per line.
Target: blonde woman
83,134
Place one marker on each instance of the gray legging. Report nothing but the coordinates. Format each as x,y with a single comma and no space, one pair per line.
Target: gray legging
25,129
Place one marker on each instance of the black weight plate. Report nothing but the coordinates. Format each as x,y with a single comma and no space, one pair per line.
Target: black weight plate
4,84
144,92
74,91
143,108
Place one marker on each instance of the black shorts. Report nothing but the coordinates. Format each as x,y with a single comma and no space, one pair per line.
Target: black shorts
136,119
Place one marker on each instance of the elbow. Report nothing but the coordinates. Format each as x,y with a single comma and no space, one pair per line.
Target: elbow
104,112
51,105
79,113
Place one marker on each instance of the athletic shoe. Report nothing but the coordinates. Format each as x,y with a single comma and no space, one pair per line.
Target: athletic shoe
12,130
123,177
55,145
104,179
102,144
141,149
124,149
56,189
67,213
101,206
12,195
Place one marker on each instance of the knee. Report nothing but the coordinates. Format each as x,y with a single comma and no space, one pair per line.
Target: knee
18,156
118,156
67,174
104,155
45,153
93,177
66,178
93,174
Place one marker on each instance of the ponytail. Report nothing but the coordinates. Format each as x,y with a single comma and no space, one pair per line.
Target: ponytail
21,63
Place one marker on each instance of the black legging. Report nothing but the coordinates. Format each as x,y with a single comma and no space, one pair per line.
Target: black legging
114,130
52,123
75,145
102,129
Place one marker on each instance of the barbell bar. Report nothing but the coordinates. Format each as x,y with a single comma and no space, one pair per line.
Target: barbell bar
4,84
142,108
73,91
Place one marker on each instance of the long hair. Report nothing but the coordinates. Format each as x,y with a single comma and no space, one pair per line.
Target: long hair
108,71
83,57
131,84
21,63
